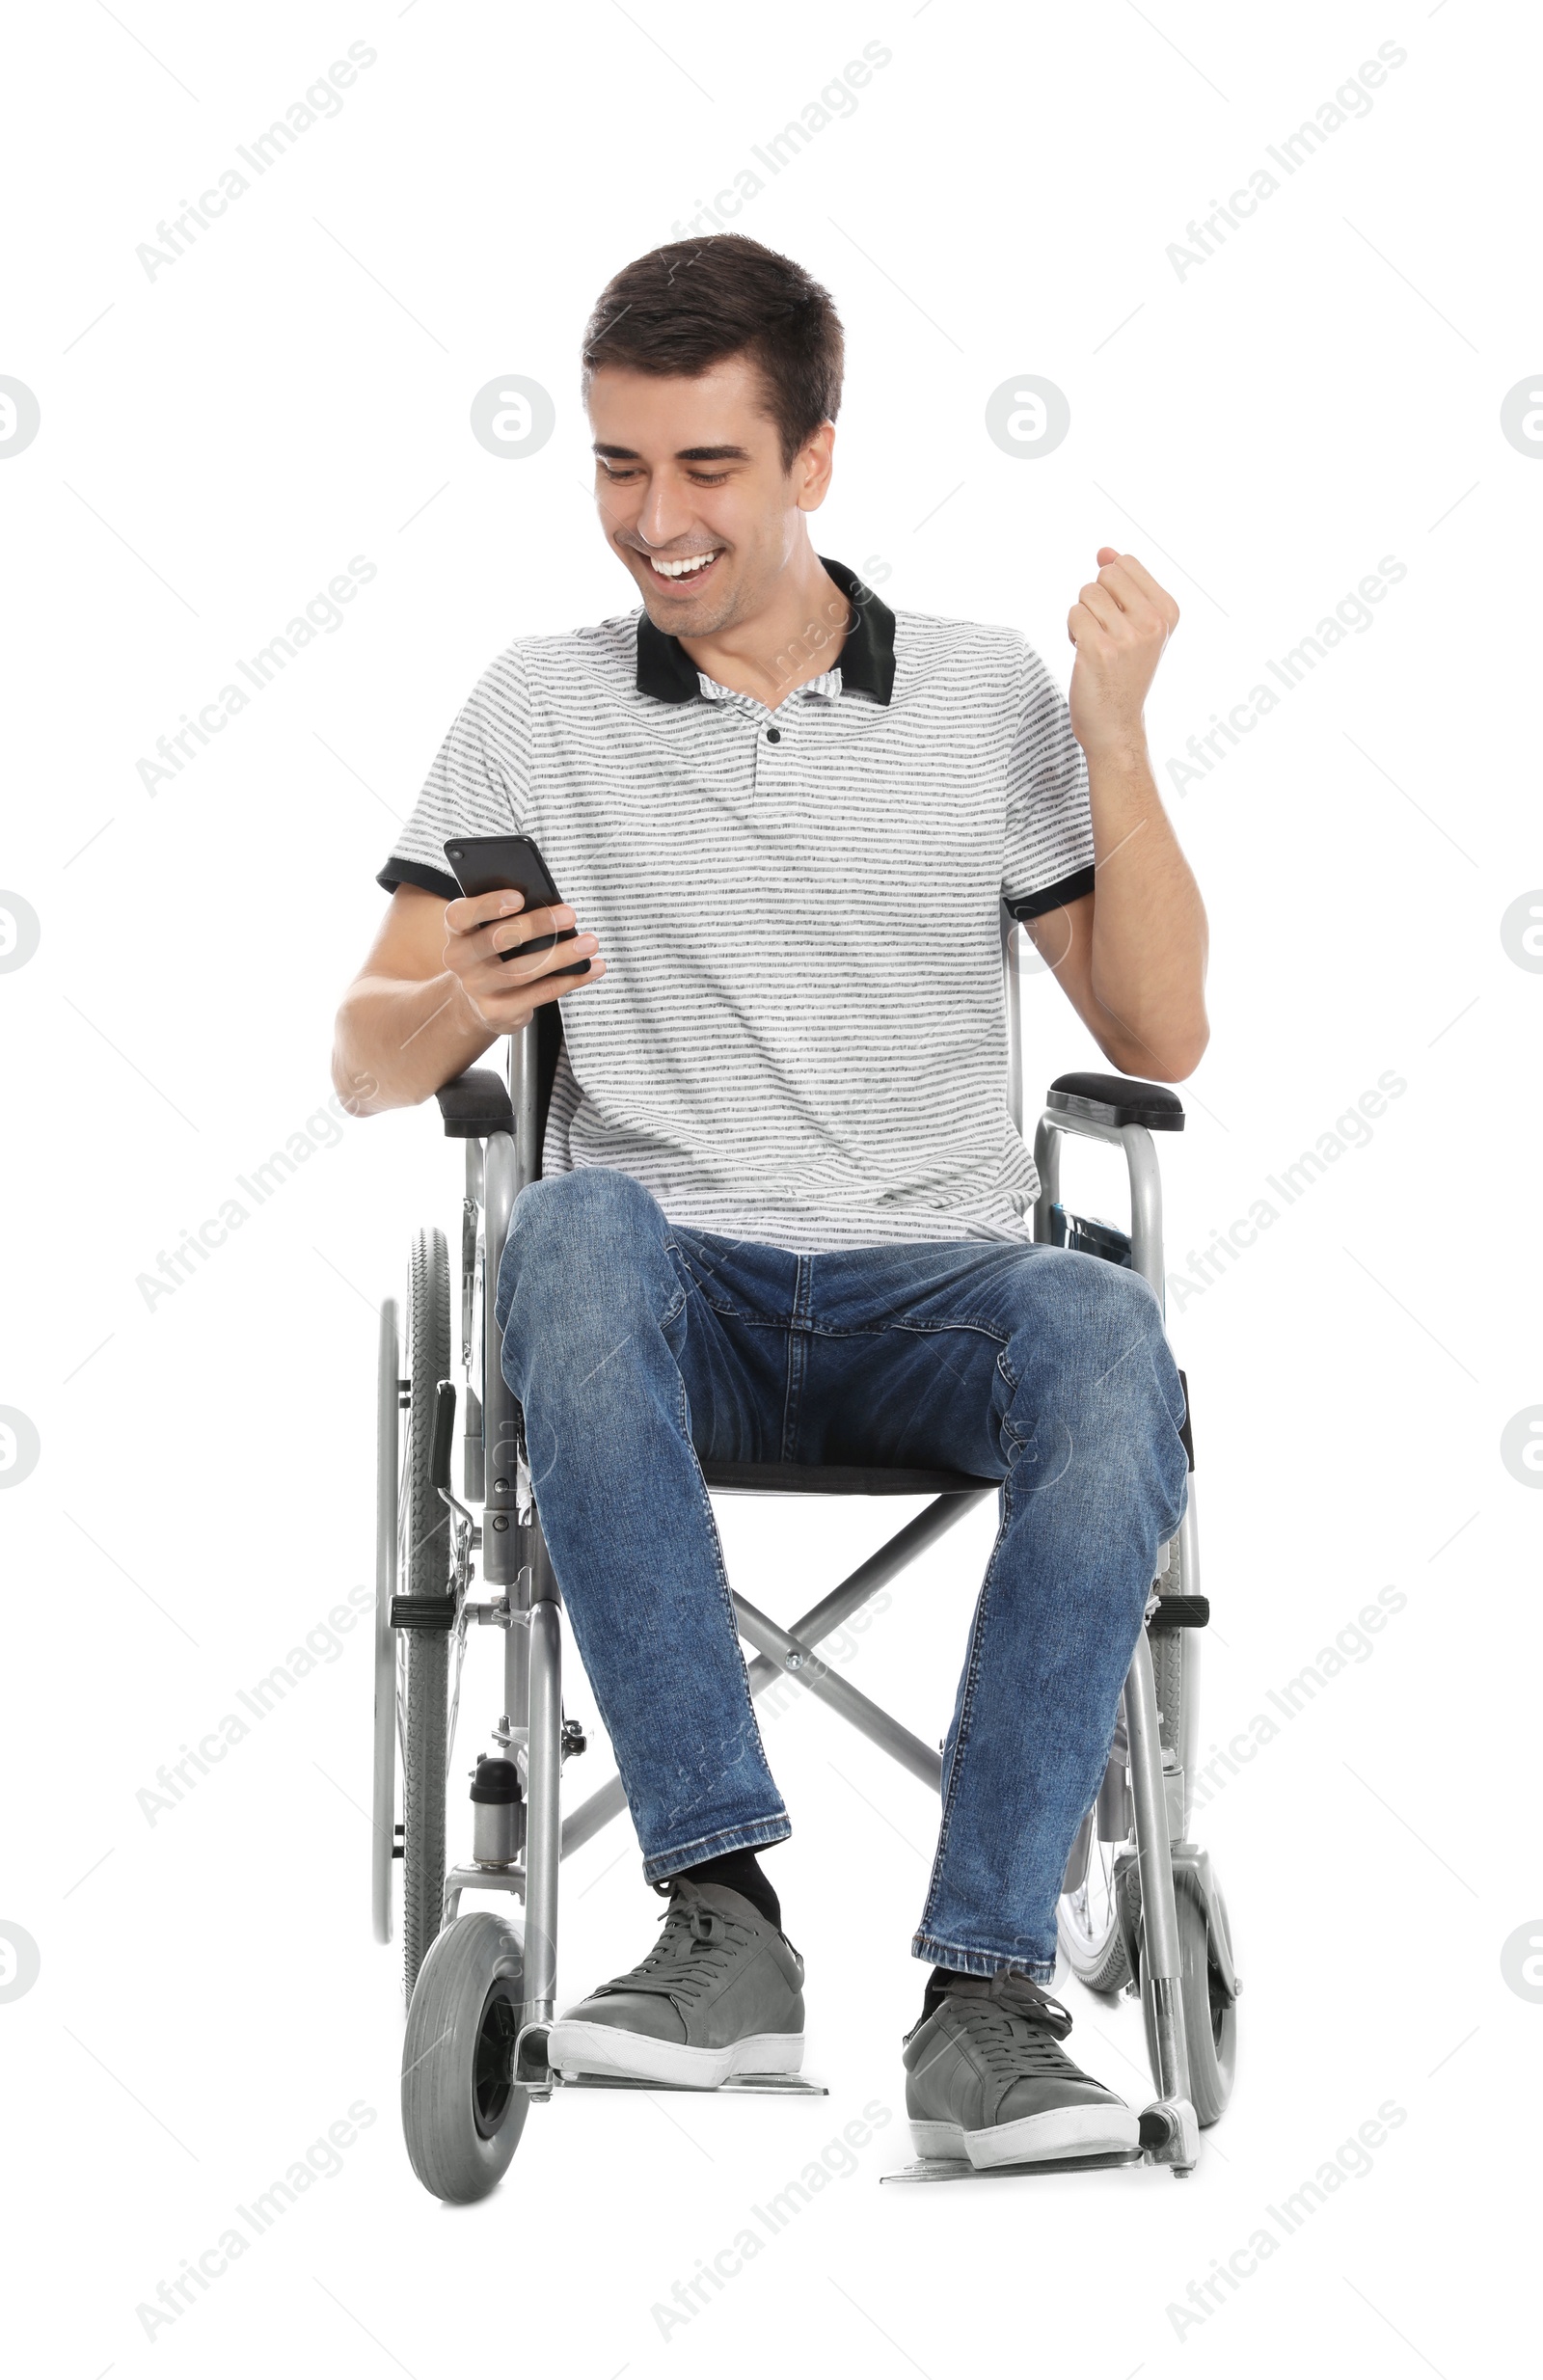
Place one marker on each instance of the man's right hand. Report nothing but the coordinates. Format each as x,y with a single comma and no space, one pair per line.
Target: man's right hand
434,994
502,993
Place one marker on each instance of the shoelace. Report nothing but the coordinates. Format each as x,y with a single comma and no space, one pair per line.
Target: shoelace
1008,2041
691,1952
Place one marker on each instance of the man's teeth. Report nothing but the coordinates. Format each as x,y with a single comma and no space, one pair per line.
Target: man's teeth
679,570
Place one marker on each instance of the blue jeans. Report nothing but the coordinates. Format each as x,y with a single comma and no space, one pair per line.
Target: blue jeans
637,1346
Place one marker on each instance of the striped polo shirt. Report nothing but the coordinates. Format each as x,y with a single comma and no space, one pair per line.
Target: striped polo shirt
801,1036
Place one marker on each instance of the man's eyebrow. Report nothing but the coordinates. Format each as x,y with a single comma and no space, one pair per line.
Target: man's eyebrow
687,455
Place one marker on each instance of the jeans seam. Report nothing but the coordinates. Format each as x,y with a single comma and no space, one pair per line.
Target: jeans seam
747,1836
721,1305
792,1392
939,1953
797,1362
900,1322
966,1704
743,1314
724,1589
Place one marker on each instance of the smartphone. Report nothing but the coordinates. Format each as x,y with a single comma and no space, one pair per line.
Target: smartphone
512,863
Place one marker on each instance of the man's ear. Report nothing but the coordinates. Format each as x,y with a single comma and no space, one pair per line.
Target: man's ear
812,467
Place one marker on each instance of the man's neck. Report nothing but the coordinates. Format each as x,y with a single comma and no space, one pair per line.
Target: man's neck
799,636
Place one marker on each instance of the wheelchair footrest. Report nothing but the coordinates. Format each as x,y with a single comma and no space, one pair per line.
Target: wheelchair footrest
433,1611
960,2169
1175,1611
787,2085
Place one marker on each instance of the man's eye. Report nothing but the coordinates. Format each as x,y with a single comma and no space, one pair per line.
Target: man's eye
709,479
611,471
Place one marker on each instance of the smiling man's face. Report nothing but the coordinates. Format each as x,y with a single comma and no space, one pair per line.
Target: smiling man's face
692,492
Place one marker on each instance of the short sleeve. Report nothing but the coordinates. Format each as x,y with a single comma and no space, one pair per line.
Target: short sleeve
1047,851
479,783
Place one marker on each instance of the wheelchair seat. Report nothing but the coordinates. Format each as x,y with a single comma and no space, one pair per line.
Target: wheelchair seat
837,1480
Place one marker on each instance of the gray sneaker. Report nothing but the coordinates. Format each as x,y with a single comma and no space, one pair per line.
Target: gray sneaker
986,2079
720,1994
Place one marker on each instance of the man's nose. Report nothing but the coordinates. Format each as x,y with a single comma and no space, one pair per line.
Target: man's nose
664,516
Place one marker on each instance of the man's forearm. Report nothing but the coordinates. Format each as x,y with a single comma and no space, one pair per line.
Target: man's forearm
1149,923
398,1042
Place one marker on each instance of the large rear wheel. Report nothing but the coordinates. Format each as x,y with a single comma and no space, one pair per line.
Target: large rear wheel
1210,2012
426,1570
1088,1913
388,1551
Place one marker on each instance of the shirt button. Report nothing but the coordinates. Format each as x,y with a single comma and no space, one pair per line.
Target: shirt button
774,735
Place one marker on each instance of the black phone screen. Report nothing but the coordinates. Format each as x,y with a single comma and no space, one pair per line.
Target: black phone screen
511,863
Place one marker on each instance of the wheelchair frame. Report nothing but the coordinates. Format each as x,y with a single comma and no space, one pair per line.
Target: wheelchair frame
502,1155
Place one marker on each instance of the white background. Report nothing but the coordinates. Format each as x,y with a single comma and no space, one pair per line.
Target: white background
217,441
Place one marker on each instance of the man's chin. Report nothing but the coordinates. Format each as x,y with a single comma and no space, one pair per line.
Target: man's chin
692,611
684,617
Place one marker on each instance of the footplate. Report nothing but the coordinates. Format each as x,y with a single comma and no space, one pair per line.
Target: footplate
793,2086
960,2169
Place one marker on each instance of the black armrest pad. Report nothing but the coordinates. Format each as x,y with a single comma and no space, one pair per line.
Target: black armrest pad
476,1105
1117,1099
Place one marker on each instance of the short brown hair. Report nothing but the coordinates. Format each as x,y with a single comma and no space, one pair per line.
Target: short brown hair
692,304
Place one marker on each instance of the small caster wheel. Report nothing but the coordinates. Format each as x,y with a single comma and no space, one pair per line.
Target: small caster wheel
462,2111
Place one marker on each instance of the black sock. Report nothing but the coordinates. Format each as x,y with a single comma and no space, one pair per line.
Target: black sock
938,1983
740,1871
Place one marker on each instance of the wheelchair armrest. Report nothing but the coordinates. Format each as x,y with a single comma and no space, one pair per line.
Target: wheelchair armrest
476,1105
1117,1099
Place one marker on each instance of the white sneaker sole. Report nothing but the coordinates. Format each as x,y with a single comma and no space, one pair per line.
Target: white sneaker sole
584,2048
1032,2140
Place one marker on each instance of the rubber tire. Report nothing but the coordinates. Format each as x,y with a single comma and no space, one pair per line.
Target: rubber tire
425,1571
475,1965
1210,2018
1102,1966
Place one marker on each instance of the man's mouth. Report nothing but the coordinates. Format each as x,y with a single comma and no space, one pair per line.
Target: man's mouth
684,570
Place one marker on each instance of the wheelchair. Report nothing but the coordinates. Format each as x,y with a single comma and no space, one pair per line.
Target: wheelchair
1140,1910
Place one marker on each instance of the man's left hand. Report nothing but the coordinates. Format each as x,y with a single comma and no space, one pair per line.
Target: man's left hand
1120,624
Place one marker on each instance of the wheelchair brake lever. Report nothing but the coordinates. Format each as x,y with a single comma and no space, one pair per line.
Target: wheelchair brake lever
448,1496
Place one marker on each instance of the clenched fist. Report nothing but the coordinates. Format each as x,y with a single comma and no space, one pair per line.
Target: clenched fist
1120,624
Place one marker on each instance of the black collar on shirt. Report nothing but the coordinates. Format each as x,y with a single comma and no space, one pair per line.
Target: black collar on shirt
866,659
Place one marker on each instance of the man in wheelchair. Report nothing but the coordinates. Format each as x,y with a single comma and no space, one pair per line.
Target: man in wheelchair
782,1211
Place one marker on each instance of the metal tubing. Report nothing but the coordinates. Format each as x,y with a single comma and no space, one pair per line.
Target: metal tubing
478,1879
502,1186
610,1799
861,1584
525,1060
1189,1729
517,1655
1141,1168
596,1810
1159,1917
543,1578
1189,1545
1188,1549
387,1471
542,1839
501,1537
1145,1206
799,1662
1048,1165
